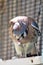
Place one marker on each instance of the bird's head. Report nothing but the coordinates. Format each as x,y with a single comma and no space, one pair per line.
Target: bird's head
25,32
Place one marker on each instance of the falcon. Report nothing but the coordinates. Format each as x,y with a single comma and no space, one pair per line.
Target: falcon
24,32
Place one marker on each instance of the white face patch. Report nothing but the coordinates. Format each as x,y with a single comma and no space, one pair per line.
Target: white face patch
24,34
17,37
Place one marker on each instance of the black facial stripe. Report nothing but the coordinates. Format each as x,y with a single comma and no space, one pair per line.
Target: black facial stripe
26,31
22,35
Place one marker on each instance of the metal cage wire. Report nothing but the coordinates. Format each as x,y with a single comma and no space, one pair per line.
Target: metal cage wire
15,8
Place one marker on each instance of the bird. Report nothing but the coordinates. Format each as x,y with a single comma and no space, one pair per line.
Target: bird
24,32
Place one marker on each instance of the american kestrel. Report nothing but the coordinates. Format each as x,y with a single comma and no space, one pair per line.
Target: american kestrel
24,32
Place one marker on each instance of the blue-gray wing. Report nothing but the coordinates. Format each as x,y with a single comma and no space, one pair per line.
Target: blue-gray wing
35,26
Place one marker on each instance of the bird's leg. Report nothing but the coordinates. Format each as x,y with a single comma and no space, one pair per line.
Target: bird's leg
33,51
24,50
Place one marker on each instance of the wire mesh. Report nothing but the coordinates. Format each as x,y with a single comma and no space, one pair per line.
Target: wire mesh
17,8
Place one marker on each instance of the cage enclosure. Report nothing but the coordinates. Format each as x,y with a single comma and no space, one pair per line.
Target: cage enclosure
14,8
